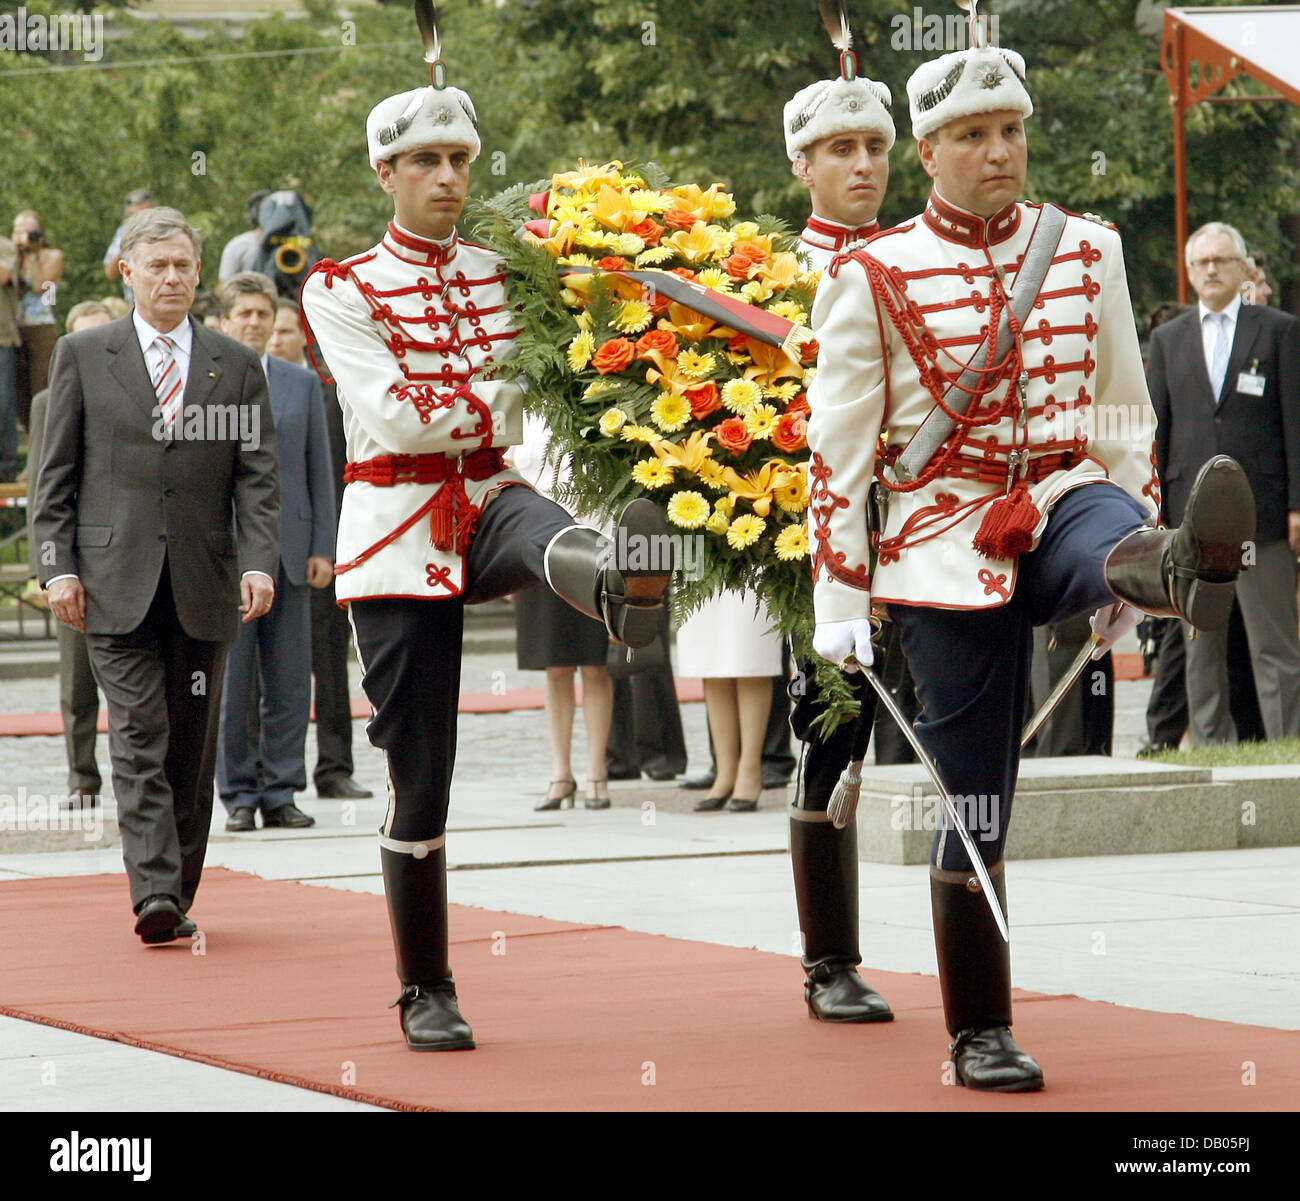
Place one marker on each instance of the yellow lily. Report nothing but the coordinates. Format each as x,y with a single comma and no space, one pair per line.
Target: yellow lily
702,242
613,210
559,243
589,178
695,200
782,271
771,363
691,325
691,455
758,487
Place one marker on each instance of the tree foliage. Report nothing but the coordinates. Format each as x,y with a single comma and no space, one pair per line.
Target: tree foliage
696,85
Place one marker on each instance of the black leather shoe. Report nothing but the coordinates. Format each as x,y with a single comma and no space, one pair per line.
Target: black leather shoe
157,918
185,929
736,805
988,1059
343,788
431,1020
704,780
288,817
709,803
836,993
241,820
661,777
623,773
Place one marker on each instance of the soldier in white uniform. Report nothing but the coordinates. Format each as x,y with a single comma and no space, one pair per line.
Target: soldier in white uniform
431,518
838,134
1032,508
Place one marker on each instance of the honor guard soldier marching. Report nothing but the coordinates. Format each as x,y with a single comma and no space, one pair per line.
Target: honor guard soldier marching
432,520
838,134
993,343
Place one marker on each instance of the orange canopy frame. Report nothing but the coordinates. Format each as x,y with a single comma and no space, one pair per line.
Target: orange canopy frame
1206,48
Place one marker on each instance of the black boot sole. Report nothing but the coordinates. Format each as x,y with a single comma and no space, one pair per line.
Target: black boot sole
1218,521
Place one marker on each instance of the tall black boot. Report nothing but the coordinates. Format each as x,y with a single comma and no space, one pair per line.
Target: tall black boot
975,979
825,862
620,582
416,889
1190,572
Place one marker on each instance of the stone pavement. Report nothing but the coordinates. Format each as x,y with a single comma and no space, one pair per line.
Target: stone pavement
1212,934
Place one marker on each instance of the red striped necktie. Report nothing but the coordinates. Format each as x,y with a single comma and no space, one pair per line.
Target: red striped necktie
167,380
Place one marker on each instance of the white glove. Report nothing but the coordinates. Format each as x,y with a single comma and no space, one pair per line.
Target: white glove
1110,623
836,641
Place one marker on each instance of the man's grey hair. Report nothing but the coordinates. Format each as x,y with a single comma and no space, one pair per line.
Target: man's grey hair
1216,227
156,225
87,308
246,283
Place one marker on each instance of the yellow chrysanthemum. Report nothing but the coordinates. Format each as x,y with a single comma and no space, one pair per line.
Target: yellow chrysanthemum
792,312
640,433
694,365
611,421
745,531
650,202
670,412
654,256
785,391
580,350
741,395
792,497
652,474
717,279
792,543
633,317
760,420
596,387
577,260
689,510
738,360
717,524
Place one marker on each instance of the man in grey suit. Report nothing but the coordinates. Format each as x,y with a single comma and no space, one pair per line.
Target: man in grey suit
279,644
159,435
1225,379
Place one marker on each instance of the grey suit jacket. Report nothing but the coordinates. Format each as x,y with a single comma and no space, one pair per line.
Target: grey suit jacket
308,517
116,496
1261,432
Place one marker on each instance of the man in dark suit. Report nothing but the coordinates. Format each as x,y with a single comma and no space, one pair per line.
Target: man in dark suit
1225,379
266,775
159,435
331,636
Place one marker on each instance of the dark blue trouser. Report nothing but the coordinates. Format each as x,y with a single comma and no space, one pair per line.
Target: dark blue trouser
972,668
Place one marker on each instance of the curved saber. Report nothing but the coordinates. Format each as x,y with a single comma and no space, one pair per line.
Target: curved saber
949,808
1063,685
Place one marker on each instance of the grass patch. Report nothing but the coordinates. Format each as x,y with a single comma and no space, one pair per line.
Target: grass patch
1240,754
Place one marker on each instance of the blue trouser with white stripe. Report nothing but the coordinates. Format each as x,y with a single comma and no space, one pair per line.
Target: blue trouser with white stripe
972,668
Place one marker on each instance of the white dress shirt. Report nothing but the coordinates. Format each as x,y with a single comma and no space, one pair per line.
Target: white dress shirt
1210,331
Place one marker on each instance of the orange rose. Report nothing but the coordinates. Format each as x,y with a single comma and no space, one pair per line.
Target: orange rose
648,230
662,340
704,399
658,302
790,432
808,352
614,356
612,263
733,435
799,405
743,261
739,344
684,272
680,219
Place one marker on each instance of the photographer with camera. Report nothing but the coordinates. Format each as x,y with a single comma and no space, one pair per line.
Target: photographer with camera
39,269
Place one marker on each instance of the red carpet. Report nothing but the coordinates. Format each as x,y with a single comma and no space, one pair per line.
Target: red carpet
295,980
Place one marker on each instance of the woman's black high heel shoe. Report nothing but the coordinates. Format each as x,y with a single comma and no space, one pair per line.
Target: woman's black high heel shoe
709,803
597,801
557,802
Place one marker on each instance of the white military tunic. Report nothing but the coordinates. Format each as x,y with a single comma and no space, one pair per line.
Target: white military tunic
822,239
405,328
1089,415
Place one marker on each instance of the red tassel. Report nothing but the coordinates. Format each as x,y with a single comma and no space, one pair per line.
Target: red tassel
442,516
1008,527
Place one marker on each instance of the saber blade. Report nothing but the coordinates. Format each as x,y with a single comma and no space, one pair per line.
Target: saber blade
1063,685
950,809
